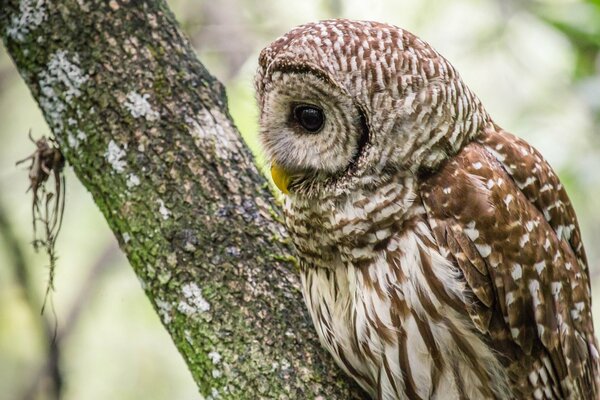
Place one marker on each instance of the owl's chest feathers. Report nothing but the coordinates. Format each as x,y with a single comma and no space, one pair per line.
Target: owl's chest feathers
353,227
377,289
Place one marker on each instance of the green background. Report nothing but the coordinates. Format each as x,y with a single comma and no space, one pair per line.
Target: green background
534,64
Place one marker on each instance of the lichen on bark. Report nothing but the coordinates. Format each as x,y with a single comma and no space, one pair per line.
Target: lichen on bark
147,131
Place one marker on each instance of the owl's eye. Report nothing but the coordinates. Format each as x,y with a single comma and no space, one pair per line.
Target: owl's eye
309,117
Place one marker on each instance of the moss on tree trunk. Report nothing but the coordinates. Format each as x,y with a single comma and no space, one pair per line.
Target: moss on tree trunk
146,129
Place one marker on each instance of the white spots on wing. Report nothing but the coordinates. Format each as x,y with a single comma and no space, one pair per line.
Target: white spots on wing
580,306
556,287
139,106
193,302
60,82
559,231
534,290
547,215
163,210
540,266
529,225
564,232
523,150
477,165
31,15
484,249
542,370
524,240
568,266
510,298
538,394
557,204
533,378
546,244
556,257
514,332
447,190
471,232
541,328
499,156
516,271
114,156
569,231
545,188
508,199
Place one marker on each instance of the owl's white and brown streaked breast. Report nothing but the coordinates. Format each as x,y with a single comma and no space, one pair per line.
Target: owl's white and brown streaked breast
385,302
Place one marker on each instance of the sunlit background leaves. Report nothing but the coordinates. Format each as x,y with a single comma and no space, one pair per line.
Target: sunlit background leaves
534,64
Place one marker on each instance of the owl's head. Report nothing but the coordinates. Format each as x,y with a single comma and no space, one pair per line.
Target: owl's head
352,103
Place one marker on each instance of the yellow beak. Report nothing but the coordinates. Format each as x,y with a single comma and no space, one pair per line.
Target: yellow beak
280,177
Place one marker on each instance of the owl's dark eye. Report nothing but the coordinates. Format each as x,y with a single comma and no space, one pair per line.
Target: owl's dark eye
309,117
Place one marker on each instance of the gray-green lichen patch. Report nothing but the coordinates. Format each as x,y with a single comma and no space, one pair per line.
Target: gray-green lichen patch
164,310
114,156
132,181
205,127
215,357
60,82
193,303
163,210
75,137
139,106
31,14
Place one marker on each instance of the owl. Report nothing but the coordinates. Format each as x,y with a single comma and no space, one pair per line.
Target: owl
440,256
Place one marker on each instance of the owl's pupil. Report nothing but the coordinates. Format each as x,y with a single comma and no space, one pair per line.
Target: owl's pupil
310,118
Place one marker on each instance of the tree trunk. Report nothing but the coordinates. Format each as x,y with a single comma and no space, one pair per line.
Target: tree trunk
147,131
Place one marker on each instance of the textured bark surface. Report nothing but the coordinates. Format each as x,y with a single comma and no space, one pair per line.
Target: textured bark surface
147,131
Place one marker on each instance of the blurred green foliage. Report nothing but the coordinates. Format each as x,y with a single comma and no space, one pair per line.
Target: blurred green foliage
534,64
580,23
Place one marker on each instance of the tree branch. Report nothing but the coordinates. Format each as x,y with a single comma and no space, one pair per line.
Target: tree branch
147,131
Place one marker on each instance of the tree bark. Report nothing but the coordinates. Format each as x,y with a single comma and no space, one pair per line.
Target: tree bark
147,131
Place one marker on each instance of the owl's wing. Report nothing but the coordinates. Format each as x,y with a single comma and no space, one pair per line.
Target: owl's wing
498,211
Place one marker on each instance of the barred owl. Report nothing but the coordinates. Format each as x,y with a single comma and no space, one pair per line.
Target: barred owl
440,255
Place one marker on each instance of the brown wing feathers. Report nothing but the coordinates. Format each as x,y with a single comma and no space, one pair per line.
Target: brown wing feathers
506,235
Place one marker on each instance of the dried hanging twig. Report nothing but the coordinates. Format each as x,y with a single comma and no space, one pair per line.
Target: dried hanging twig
48,205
